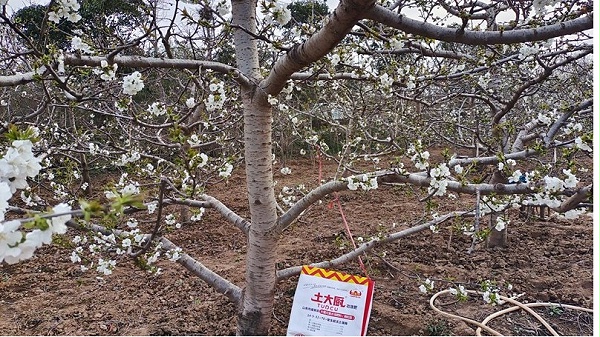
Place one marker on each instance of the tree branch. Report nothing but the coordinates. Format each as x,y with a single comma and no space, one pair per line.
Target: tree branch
407,25
313,196
367,246
575,199
219,283
542,77
211,202
562,120
492,160
340,22
155,62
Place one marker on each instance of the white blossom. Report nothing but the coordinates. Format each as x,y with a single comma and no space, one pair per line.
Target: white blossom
582,145
573,214
130,189
427,286
526,51
553,184
225,171
9,237
571,180
190,102
386,80
282,14
157,109
501,223
515,177
544,119
18,164
78,44
133,83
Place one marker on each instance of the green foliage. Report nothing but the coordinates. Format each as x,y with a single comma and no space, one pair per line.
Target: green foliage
340,241
91,208
483,234
14,133
37,223
31,22
119,203
307,11
438,328
62,241
102,21
555,310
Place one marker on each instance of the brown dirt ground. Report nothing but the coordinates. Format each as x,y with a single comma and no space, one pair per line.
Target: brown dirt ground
546,260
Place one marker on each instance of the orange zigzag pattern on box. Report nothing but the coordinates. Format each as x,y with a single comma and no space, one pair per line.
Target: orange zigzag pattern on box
334,275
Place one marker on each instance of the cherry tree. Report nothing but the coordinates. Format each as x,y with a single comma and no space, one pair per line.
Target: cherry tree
195,91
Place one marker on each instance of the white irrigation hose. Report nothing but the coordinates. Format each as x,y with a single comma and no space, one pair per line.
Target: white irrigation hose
517,305
529,305
486,328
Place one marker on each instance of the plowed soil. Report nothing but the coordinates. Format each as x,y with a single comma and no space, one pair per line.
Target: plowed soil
546,261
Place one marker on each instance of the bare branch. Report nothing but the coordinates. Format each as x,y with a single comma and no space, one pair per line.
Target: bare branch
407,25
485,189
212,202
492,160
18,79
562,120
220,284
547,72
367,246
309,199
154,62
575,199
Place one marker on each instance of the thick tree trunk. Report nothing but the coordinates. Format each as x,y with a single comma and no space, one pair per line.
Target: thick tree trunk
256,305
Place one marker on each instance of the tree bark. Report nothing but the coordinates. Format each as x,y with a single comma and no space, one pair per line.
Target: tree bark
497,238
410,26
254,317
256,306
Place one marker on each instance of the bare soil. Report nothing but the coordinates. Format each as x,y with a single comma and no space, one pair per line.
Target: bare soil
548,260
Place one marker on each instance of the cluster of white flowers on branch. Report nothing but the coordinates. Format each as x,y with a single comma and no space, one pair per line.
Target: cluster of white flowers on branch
364,181
276,12
133,83
17,164
65,9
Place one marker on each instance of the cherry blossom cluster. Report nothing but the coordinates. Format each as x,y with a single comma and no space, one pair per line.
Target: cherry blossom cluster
107,71
489,291
289,195
276,12
133,83
65,9
364,181
16,165
438,183
217,98
419,157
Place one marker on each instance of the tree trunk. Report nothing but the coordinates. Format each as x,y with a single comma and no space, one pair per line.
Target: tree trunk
254,317
256,306
85,174
497,238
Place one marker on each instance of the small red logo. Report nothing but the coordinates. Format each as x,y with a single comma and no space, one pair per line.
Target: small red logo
355,293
